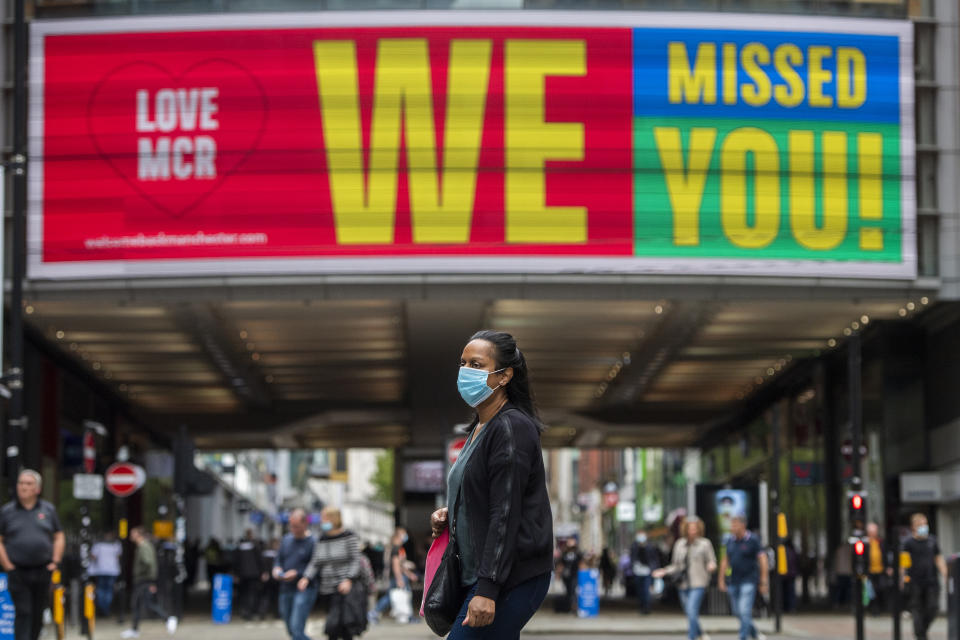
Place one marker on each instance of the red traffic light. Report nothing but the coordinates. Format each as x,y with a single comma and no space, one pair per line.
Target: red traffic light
858,547
857,501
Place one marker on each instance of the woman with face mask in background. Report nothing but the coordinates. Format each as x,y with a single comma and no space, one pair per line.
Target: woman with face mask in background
336,566
497,503
644,560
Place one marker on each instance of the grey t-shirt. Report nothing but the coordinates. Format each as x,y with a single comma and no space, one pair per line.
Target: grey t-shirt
28,533
468,560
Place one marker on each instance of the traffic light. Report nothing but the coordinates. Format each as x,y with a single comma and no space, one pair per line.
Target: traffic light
858,513
859,557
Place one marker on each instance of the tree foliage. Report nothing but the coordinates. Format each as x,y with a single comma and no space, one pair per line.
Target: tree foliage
382,478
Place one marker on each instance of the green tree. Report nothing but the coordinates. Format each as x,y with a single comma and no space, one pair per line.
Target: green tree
382,478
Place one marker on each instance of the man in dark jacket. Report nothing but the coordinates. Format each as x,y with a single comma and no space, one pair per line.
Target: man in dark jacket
145,584
644,560
294,555
250,573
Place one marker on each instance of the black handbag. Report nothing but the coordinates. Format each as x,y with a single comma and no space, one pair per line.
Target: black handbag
442,601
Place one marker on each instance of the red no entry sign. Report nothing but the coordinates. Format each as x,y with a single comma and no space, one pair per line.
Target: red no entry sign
454,447
123,479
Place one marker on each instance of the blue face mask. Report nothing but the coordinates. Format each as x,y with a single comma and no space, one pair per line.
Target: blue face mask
472,385
923,531
326,526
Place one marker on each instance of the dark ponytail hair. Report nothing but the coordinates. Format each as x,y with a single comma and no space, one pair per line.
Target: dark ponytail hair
508,354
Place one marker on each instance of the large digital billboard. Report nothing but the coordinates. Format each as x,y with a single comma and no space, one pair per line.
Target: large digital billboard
469,142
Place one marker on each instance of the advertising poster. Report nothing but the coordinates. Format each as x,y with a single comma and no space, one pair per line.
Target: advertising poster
718,504
455,142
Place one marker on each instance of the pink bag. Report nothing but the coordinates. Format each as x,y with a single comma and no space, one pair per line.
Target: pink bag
434,556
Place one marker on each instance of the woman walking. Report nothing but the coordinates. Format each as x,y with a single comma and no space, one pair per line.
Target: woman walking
693,562
497,500
336,565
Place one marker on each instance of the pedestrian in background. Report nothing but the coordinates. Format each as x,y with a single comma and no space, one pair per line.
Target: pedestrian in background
926,562
608,570
105,569
644,560
497,502
270,586
747,561
250,573
213,557
335,564
692,566
568,571
879,569
145,585
294,555
400,576
31,549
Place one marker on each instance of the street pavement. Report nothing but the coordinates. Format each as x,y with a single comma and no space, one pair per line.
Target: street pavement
545,625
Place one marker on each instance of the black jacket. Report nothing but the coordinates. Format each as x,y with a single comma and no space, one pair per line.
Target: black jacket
507,508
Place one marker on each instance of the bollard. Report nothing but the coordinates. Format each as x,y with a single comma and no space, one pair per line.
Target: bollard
58,606
90,609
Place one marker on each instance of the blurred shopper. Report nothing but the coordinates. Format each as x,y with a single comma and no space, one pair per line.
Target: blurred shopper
296,550
691,566
213,557
644,560
400,576
497,495
270,587
924,583
145,585
31,548
105,569
879,570
191,560
842,575
336,566
608,570
748,563
788,581
568,572
250,574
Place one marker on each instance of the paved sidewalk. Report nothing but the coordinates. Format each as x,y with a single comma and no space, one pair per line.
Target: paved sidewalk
544,624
